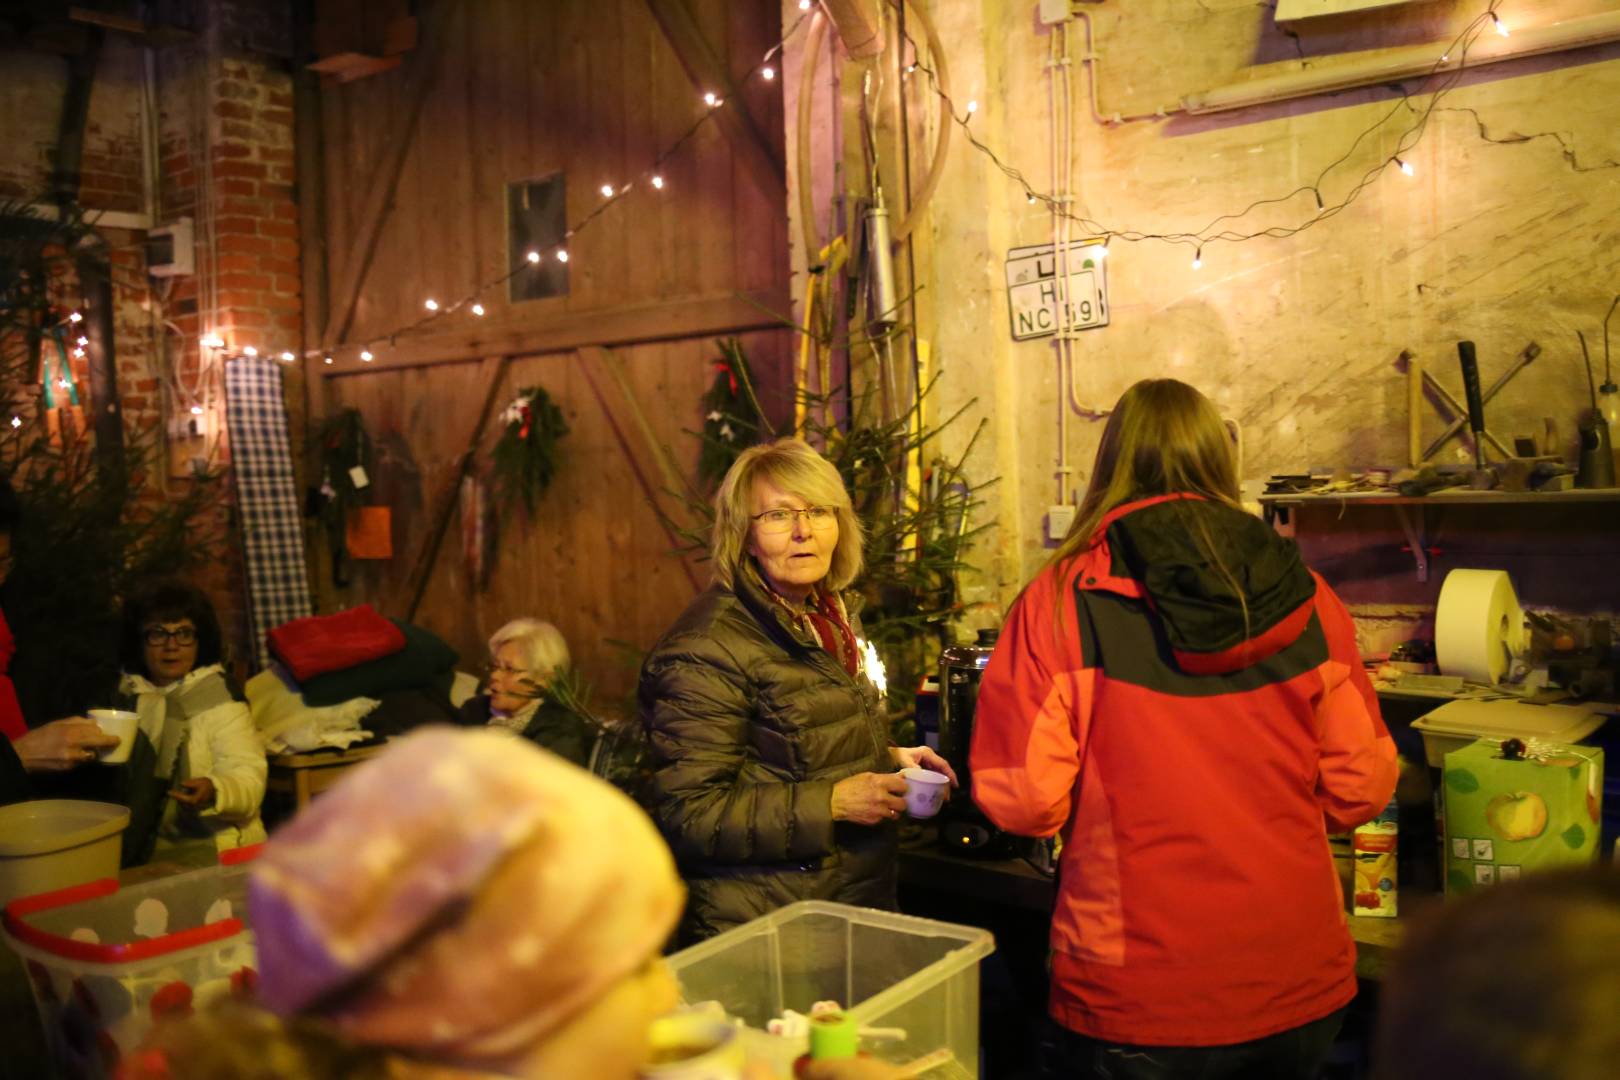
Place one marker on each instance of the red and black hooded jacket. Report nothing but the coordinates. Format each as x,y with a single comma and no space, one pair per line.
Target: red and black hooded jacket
1194,742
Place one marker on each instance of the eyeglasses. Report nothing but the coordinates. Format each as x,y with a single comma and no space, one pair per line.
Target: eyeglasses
180,635
508,669
781,520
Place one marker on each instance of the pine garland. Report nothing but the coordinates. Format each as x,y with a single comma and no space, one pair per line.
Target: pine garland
731,418
525,459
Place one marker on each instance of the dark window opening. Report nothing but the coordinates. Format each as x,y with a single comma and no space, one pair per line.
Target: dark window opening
536,215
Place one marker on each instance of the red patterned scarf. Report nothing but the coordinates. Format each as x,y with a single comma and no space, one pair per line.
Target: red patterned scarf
826,618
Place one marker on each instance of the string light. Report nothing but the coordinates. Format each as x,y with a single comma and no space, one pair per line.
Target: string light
431,304
213,341
365,356
1404,166
328,359
79,353
84,341
249,351
73,318
1198,258
288,357
612,194
972,107
196,410
16,421
1501,27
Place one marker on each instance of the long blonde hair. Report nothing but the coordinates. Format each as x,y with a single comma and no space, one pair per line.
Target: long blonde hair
1162,438
794,466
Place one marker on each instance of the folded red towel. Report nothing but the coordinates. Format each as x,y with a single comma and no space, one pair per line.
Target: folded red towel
320,643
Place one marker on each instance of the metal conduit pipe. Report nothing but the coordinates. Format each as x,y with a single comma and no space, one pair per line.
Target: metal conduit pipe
1407,62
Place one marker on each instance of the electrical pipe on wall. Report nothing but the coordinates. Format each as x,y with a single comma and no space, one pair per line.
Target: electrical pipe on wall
1407,62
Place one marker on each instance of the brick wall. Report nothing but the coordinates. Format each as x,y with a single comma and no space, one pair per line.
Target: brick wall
225,159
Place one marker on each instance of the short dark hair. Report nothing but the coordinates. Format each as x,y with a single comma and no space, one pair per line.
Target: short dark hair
10,508
170,601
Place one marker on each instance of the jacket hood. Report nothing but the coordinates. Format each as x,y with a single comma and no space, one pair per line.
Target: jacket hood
1228,591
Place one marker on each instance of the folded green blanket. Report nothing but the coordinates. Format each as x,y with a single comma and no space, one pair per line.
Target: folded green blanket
424,663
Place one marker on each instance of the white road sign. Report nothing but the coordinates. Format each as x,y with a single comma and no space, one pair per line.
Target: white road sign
1032,290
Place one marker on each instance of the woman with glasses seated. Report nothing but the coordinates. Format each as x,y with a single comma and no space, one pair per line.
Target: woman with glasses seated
526,656
209,763
775,777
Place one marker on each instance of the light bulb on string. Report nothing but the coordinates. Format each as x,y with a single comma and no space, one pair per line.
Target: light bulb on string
767,73
248,350
478,309
1501,27
16,421
804,5
328,359
84,341
288,357
658,182
533,256
1404,166
562,255
365,356
79,353
63,384
972,107
75,317
431,304
711,99
607,191
196,410
213,341
1198,258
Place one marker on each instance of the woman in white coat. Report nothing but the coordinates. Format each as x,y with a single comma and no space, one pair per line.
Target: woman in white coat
209,760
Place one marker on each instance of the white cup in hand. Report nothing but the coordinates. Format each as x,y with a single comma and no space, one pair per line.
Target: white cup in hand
121,725
925,791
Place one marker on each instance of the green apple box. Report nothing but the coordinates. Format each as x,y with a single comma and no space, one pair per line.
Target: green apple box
1509,816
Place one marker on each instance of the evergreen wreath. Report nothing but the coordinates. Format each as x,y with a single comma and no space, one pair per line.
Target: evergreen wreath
731,415
525,458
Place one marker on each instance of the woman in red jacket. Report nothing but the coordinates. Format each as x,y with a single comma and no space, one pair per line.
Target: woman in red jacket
1181,698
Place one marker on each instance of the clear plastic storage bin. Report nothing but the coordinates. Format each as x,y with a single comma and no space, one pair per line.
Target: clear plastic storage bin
105,962
887,970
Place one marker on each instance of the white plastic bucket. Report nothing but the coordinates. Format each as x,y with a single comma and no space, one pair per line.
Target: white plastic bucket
49,844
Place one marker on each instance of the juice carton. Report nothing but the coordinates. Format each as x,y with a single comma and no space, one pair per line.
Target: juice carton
1374,846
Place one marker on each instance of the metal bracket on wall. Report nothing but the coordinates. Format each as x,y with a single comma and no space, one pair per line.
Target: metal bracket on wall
1413,524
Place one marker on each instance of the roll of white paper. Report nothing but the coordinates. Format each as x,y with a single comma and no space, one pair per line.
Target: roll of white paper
1479,625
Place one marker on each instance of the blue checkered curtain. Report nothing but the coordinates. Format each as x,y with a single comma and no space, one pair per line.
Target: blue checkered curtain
267,494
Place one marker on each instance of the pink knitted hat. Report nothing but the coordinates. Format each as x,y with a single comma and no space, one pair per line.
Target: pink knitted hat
462,894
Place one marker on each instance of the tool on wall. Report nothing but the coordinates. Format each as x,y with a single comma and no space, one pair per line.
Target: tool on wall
1597,456
1476,413
1526,355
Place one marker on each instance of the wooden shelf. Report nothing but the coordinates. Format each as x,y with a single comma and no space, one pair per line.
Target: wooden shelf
1410,510
1449,497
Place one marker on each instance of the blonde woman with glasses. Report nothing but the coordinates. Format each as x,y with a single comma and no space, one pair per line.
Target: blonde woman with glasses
775,778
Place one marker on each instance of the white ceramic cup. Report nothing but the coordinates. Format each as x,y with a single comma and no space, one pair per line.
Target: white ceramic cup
120,723
925,791
693,1046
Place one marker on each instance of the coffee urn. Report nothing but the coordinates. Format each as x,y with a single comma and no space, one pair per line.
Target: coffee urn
963,828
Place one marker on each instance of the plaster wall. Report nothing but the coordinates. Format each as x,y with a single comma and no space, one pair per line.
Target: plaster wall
1506,233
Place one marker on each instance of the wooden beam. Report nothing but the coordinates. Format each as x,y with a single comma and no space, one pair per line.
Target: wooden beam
666,320
356,261
614,394
709,75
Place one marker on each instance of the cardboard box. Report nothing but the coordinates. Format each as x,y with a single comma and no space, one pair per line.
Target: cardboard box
1507,817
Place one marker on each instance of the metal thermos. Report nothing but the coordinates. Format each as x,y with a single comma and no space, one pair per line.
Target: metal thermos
963,828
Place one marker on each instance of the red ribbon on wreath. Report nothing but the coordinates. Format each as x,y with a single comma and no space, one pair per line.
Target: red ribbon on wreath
731,376
528,419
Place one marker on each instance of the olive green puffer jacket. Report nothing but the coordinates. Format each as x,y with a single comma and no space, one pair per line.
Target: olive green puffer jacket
752,722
